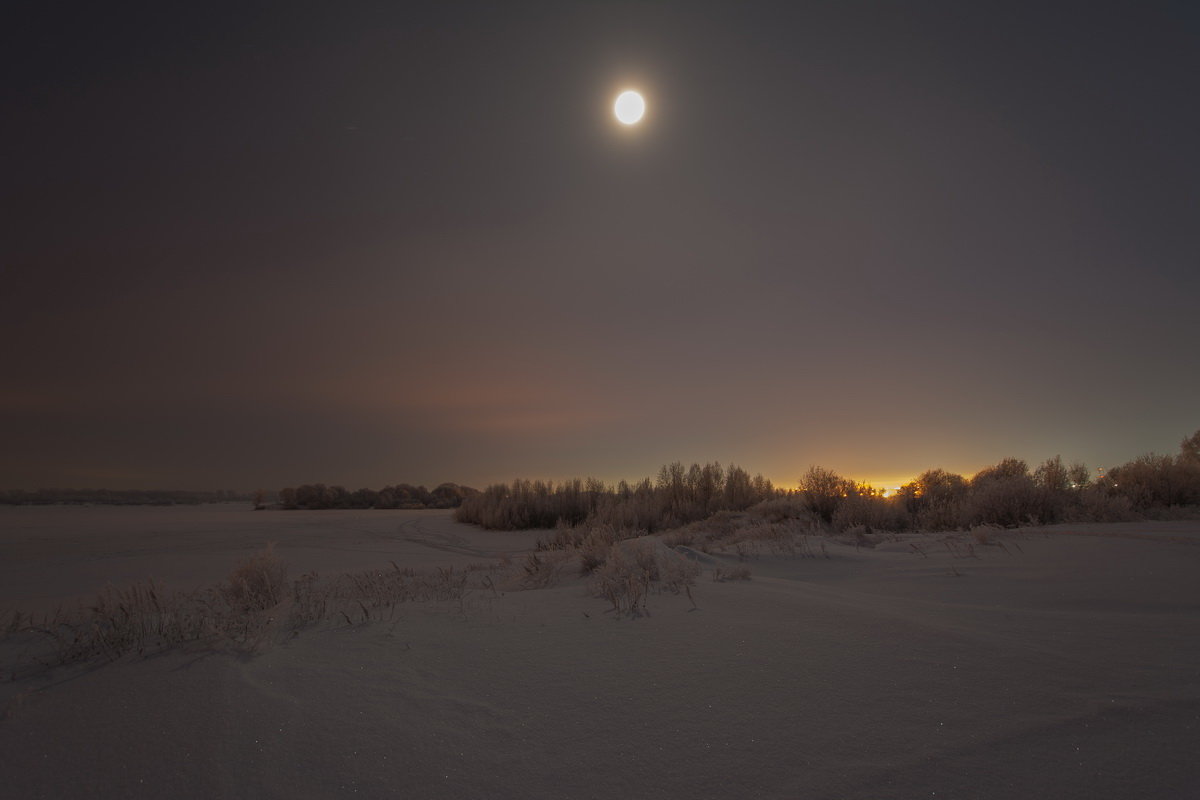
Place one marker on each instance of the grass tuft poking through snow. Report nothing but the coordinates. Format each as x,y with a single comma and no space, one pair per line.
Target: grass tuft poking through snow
259,582
255,603
632,571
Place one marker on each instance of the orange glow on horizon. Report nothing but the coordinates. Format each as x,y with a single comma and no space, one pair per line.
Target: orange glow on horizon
888,486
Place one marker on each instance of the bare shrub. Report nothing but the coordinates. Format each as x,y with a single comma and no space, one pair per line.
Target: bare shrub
678,573
259,582
589,562
1095,505
594,548
870,511
632,570
934,501
541,570
622,583
1154,481
824,492
1005,498
645,558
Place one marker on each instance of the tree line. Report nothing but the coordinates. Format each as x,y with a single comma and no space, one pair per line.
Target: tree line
319,496
1007,494
677,496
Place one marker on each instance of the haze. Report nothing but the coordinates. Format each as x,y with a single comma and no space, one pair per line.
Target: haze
376,244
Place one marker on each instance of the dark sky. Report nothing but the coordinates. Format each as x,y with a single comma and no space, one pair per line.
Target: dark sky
365,243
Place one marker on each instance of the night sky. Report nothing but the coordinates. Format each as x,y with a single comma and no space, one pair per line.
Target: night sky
368,243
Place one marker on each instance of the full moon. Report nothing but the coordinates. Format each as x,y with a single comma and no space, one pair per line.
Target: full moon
629,107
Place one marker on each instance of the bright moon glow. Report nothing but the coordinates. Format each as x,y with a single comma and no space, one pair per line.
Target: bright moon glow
629,107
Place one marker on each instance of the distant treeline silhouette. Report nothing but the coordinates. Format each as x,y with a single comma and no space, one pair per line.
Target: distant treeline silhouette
1007,494
678,496
118,497
319,496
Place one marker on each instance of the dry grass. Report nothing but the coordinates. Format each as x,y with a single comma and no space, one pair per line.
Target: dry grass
254,605
539,572
633,571
595,546
751,535
707,533
958,548
375,590
622,583
144,618
259,582
592,536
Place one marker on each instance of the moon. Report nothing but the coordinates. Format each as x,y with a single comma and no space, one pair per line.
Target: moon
629,108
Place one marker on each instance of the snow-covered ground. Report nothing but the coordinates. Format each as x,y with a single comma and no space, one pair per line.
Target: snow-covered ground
1064,664
50,555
